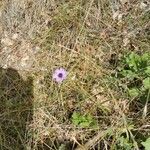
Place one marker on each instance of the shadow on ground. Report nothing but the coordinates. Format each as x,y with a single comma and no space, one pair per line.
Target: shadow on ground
15,109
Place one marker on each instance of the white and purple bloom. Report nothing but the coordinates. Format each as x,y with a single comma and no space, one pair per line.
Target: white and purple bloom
59,75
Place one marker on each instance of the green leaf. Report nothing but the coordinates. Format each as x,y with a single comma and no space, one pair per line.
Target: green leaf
83,121
75,115
133,60
125,143
134,92
146,83
76,118
146,144
145,57
128,74
147,71
84,124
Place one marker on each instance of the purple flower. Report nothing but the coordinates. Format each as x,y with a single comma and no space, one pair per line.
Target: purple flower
59,75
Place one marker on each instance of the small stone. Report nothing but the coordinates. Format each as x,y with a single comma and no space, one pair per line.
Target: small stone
36,49
7,42
143,5
5,66
124,1
115,15
24,61
120,17
15,36
126,41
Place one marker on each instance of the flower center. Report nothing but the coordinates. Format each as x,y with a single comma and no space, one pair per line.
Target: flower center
60,75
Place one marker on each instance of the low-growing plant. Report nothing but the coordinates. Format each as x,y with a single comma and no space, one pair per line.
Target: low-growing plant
83,121
134,75
123,144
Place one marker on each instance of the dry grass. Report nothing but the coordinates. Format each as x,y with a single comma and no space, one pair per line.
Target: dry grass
87,38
